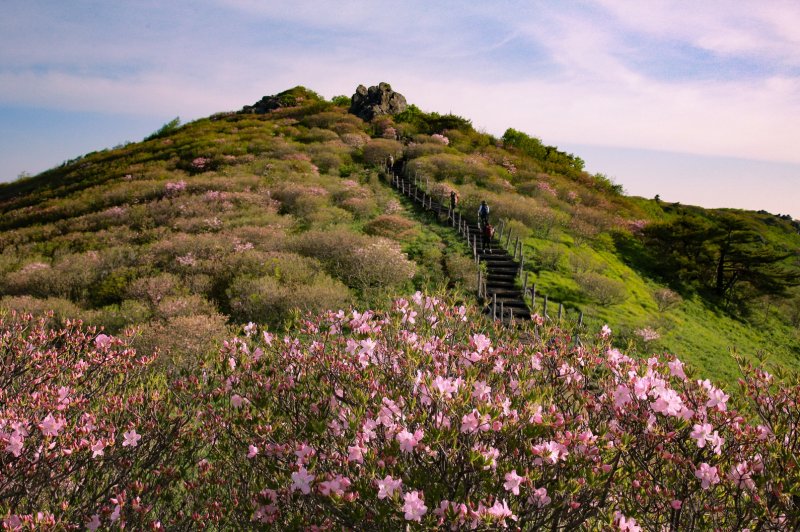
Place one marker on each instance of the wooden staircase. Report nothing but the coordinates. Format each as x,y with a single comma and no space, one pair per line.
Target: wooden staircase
497,290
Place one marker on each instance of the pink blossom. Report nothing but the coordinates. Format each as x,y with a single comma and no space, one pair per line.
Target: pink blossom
702,433
14,445
414,506
539,497
707,474
676,369
621,396
741,476
501,511
676,504
103,341
114,517
237,400
131,438
481,342
355,453
301,480
668,402
481,392
51,426
336,486
605,332
627,524
388,486
93,523
513,482
97,448
409,441
252,451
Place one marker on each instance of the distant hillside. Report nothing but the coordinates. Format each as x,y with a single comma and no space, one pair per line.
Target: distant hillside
246,216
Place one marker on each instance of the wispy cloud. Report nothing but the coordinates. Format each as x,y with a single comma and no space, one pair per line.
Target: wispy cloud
714,78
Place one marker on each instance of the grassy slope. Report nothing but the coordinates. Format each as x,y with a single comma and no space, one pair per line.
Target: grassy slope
313,163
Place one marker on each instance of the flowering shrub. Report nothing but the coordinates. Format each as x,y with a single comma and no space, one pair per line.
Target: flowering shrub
422,416
440,138
81,438
418,416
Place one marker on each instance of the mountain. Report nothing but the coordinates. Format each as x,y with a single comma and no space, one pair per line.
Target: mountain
246,216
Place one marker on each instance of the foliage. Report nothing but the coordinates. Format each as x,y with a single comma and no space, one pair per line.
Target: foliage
165,130
424,416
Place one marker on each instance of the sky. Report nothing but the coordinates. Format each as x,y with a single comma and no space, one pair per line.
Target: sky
698,102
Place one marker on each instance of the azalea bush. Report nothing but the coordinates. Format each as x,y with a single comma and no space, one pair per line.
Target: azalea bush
422,416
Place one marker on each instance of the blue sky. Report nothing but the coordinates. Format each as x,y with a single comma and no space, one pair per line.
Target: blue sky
696,101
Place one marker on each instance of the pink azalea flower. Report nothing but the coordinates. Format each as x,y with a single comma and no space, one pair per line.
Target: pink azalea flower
676,369
409,441
702,433
336,486
539,497
94,523
97,448
707,474
355,453
14,445
414,506
621,396
103,341
481,342
501,511
627,524
513,482
252,451
605,332
237,401
668,402
388,486
676,504
131,438
301,480
115,514
51,426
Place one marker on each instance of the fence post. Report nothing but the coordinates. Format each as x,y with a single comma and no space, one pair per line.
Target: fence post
525,285
560,310
480,281
522,269
516,245
544,313
494,306
508,240
502,228
580,319
502,311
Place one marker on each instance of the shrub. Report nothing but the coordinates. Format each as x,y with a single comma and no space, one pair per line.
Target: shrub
549,257
391,226
183,341
666,299
602,289
423,416
378,151
271,300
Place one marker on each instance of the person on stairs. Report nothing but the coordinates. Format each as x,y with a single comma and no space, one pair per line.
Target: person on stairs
453,202
487,232
483,213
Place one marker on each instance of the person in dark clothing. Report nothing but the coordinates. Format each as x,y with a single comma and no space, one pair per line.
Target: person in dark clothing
483,213
487,232
453,200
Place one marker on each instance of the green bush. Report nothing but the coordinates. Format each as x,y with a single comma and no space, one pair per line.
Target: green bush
602,289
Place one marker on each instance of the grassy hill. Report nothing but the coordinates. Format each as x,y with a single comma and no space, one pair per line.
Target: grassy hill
244,217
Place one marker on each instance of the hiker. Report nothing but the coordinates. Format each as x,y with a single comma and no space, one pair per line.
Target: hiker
487,232
453,200
483,213
391,162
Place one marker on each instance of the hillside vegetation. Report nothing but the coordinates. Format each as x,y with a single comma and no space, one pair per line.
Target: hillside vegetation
242,217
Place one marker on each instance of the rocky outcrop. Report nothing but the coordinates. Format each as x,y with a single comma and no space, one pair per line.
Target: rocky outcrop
376,101
289,98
